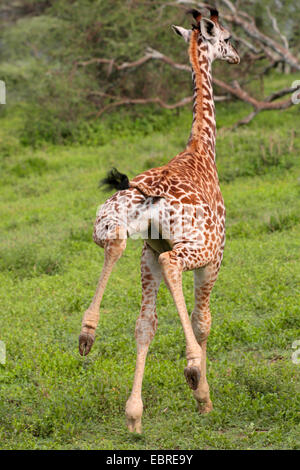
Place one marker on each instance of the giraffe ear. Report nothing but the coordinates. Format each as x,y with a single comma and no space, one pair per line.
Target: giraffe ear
185,33
208,29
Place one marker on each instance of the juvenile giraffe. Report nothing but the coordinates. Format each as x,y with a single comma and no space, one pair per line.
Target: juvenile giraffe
179,210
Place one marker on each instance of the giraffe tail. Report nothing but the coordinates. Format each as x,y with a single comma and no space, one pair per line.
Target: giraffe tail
115,180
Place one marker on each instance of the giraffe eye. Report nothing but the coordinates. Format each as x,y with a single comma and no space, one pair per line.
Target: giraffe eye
227,40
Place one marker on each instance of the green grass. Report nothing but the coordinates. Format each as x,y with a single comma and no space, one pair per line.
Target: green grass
50,397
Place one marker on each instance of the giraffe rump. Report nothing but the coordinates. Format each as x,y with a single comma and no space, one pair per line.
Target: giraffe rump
115,180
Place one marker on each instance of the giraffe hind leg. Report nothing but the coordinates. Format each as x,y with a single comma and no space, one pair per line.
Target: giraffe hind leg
113,251
110,232
144,332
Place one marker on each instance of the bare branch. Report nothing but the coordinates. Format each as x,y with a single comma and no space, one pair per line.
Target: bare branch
150,54
230,6
246,43
281,93
238,92
235,89
247,23
276,28
128,101
245,120
113,64
269,67
160,102
153,54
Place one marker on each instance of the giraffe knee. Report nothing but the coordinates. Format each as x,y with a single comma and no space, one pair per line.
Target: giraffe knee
115,247
109,232
201,325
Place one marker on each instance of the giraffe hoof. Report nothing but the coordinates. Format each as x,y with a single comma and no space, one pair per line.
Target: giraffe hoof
205,408
86,341
134,426
192,375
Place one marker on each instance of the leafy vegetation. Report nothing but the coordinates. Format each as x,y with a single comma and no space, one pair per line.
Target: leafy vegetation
42,41
51,398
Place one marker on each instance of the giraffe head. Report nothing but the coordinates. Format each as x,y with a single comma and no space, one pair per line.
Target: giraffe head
213,34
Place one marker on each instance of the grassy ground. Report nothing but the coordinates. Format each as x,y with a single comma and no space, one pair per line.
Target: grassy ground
50,397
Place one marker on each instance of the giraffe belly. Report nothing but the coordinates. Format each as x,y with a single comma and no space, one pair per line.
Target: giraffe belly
160,246
150,230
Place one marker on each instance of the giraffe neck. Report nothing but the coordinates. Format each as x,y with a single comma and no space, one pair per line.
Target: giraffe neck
203,133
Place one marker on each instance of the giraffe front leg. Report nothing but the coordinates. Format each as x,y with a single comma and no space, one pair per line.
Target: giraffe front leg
144,332
113,251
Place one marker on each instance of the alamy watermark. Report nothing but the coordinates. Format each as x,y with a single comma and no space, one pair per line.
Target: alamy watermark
157,219
296,94
2,92
296,353
2,353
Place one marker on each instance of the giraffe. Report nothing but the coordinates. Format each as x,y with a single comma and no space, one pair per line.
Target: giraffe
179,211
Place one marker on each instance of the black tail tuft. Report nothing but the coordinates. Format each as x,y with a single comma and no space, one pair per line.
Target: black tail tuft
115,180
